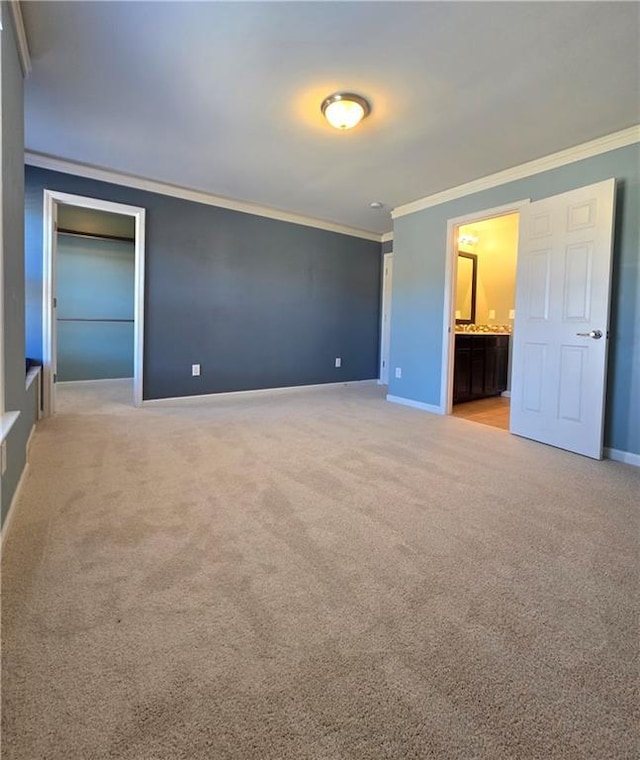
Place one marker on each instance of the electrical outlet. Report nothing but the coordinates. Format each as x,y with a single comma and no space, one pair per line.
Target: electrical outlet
399,372
3,458
512,313
492,313
338,361
195,370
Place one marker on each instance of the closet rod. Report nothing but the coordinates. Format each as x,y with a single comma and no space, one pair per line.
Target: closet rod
61,231
86,319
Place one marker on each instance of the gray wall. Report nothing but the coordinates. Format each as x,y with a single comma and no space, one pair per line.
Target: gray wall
12,215
16,398
258,303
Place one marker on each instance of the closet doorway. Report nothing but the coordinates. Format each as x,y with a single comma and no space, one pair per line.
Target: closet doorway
94,289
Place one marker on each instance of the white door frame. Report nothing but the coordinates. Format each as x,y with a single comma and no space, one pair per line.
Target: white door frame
450,279
51,199
386,309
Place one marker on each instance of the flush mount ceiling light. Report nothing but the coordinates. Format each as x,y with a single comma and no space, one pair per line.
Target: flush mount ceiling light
343,110
376,205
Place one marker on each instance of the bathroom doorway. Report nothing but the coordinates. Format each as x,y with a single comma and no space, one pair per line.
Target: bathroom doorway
484,252
561,326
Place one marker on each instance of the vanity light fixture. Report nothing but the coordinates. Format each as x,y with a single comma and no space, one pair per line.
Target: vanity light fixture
468,239
344,110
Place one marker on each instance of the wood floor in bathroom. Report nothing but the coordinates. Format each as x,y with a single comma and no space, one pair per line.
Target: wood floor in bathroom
487,411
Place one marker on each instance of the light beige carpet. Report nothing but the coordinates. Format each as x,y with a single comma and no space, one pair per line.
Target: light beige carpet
317,575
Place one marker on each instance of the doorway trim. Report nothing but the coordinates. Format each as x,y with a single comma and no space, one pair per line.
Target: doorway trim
52,199
450,277
385,311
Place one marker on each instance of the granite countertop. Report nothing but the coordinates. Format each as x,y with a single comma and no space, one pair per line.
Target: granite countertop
495,329
481,334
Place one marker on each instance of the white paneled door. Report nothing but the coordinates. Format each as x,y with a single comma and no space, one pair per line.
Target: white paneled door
562,319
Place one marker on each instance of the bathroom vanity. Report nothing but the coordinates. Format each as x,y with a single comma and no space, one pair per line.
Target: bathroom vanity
481,365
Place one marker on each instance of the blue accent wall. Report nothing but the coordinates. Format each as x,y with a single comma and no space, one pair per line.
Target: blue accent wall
94,287
258,303
418,286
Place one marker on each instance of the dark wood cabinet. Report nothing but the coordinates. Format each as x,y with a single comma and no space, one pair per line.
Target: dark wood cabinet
480,367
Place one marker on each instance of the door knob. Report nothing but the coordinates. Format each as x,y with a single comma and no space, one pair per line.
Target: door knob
595,334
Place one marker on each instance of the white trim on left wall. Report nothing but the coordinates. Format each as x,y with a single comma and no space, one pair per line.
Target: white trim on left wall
21,37
16,494
3,422
51,199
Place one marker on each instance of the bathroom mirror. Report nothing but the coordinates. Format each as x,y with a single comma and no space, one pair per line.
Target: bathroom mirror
466,288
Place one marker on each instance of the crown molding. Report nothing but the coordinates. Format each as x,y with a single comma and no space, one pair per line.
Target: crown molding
46,161
555,160
21,36
387,237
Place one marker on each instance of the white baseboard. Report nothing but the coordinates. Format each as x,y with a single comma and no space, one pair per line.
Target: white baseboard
622,456
12,507
16,493
416,404
255,391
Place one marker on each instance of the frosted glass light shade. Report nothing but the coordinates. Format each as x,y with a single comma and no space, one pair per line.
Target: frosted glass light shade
345,110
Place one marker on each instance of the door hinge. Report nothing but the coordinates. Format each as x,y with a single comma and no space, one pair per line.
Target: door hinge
384,364
55,303
55,377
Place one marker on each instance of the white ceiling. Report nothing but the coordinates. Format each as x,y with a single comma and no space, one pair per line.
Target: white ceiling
225,96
